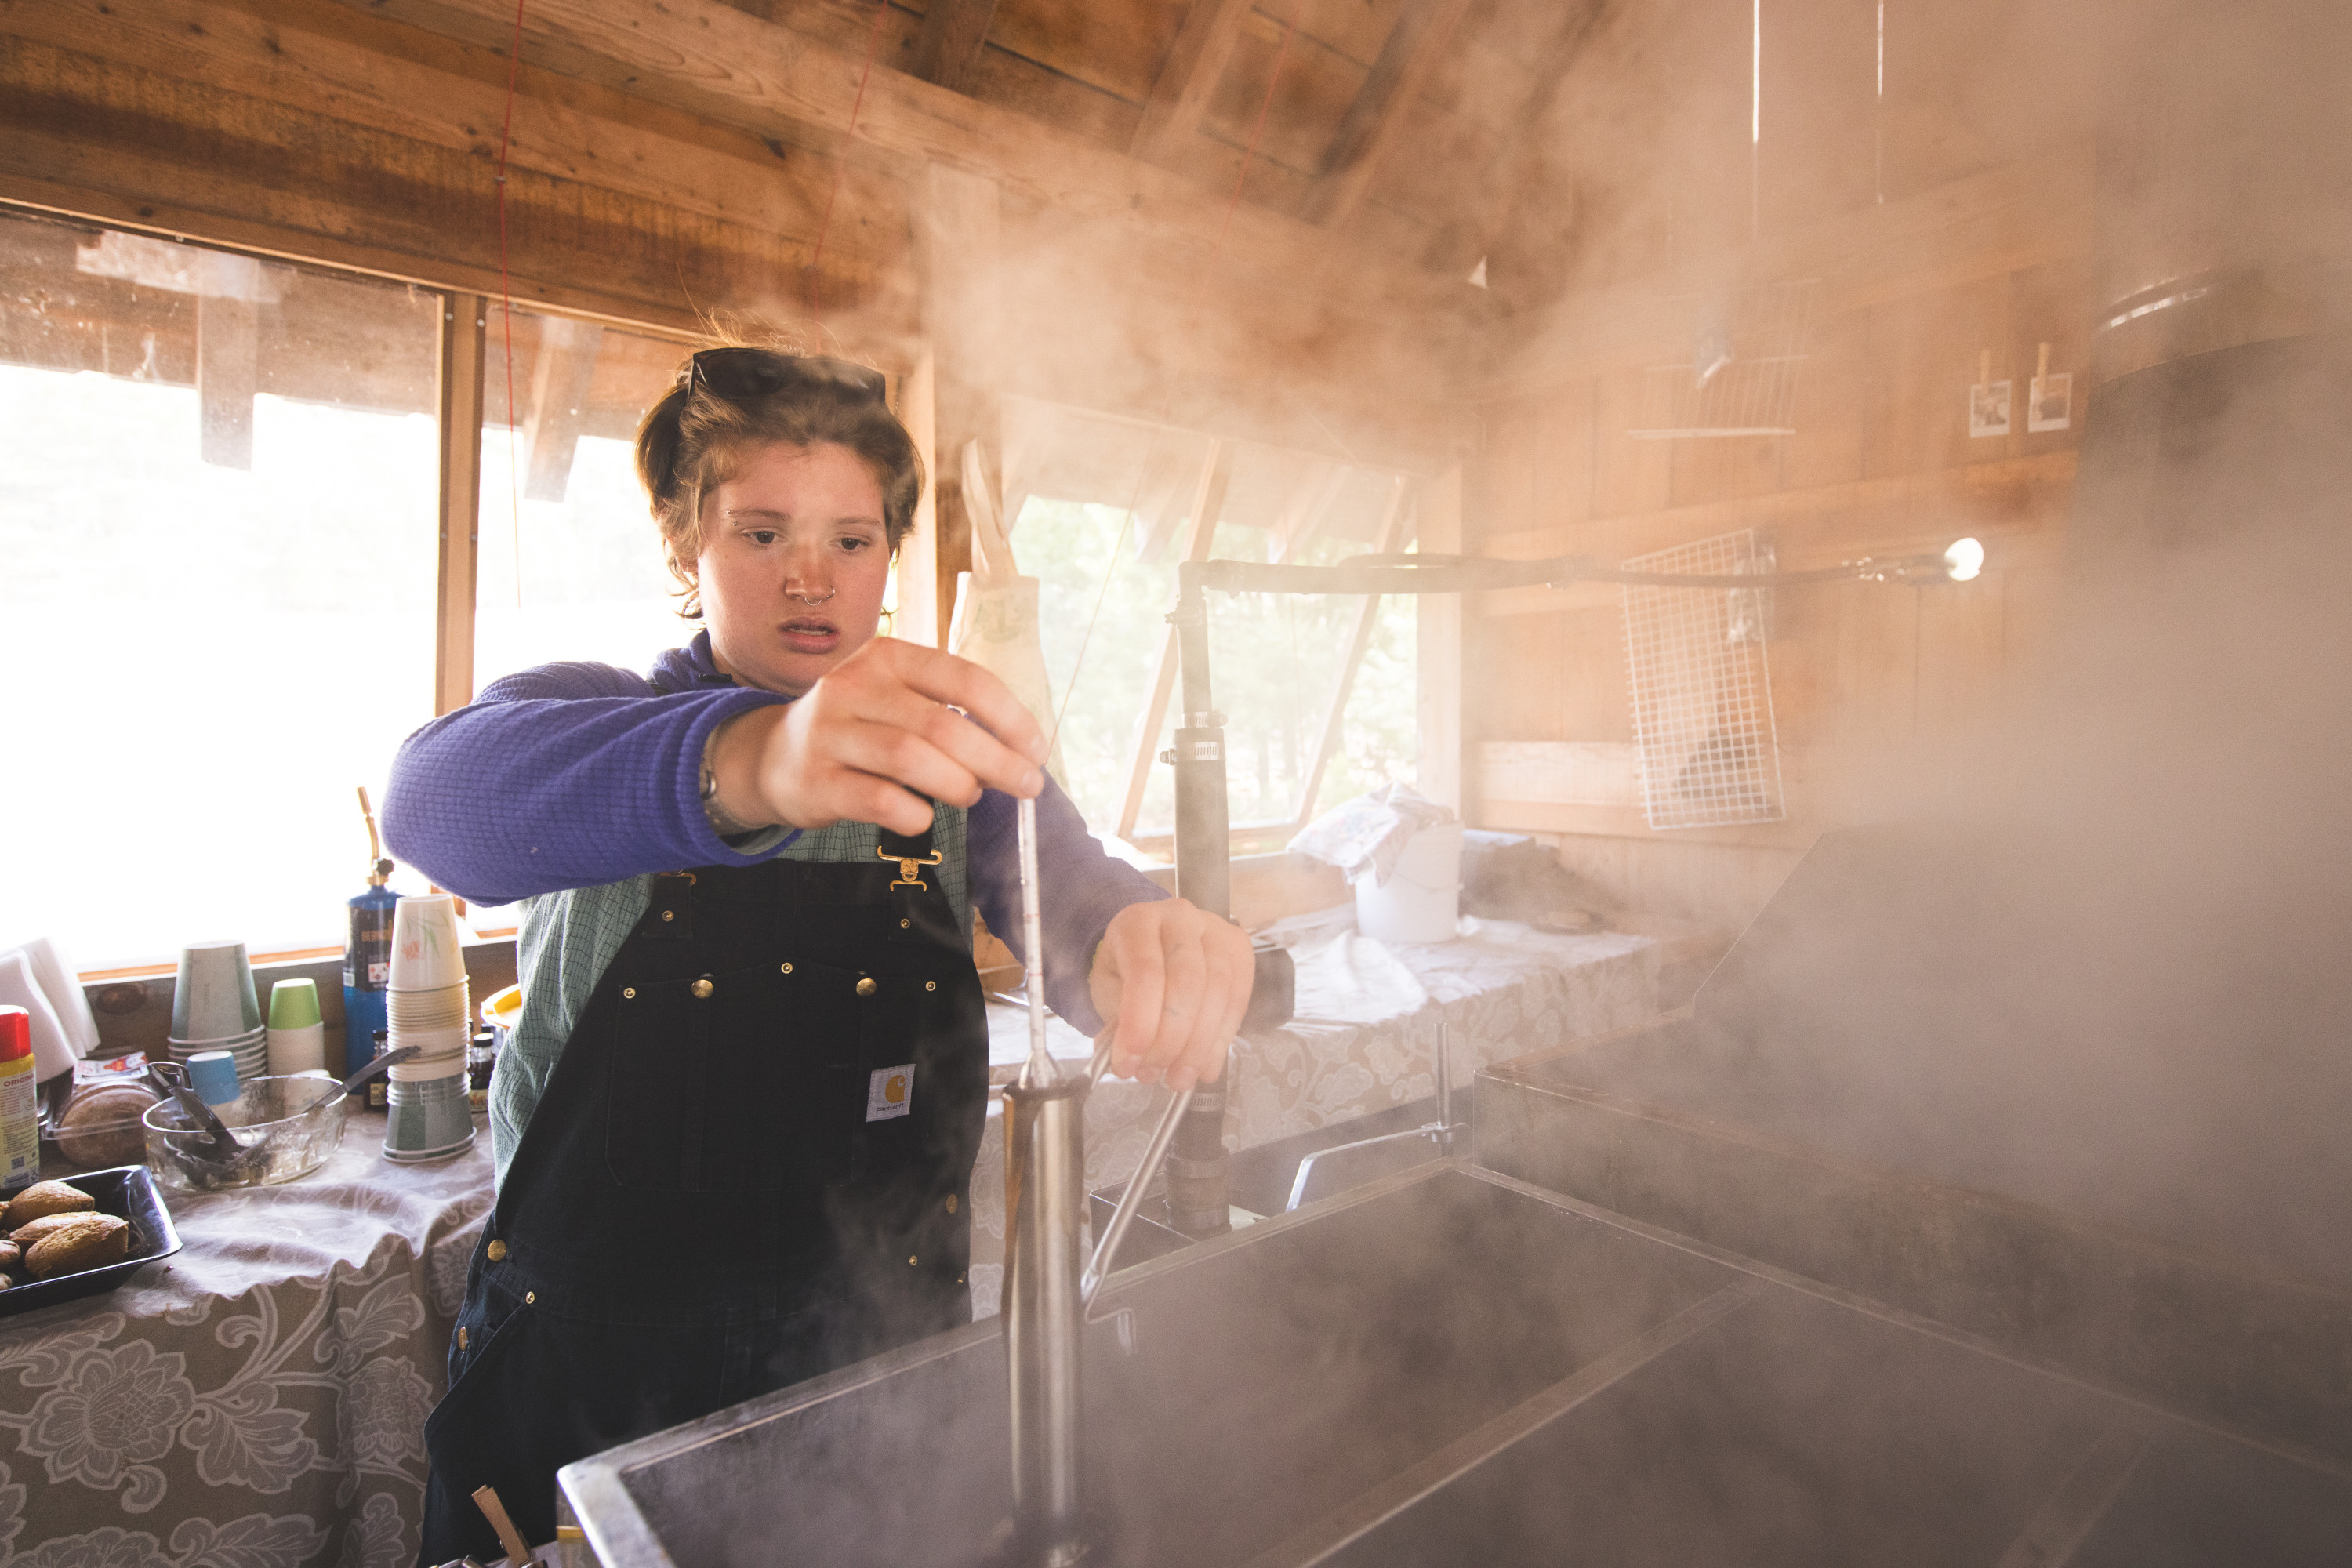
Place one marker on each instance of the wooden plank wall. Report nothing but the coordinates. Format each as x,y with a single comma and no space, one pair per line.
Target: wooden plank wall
1868,679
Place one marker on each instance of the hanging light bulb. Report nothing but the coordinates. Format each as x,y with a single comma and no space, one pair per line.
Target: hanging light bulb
1963,560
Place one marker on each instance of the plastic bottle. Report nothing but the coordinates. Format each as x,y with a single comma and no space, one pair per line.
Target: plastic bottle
367,958
20,1112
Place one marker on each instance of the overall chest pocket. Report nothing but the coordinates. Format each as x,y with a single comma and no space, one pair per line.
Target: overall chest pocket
777,1077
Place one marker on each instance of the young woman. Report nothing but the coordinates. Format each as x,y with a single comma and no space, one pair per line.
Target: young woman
734,1133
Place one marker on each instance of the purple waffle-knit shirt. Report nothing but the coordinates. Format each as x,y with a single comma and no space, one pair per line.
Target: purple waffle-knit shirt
574,775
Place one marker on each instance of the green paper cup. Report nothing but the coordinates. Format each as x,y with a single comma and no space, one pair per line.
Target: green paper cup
293,1004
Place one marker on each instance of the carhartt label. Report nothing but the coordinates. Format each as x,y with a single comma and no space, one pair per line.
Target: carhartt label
889,1093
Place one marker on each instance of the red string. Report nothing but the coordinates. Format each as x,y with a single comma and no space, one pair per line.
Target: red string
506,304
816,259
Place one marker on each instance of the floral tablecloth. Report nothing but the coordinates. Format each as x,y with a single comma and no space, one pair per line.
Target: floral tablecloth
259,1400
1363,1039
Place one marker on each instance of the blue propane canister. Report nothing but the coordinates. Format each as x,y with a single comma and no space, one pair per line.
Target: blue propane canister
367,971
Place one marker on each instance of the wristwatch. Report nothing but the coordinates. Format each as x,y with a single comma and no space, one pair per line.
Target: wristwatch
721,823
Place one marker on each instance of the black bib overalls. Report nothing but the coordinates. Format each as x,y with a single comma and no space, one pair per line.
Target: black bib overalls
750,1166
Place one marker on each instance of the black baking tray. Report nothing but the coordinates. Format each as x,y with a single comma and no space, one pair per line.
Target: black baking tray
130,1192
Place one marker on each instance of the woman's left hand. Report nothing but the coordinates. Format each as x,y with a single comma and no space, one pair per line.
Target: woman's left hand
1174,981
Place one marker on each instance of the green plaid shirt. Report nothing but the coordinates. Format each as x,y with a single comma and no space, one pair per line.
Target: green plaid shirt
568,938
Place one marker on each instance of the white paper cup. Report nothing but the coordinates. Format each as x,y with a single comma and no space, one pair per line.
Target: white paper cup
224,1043
212,996
427,1117
436,1050
298,1050
425,951
441,1009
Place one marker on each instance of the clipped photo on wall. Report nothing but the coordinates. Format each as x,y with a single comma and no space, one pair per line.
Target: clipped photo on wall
2052,406
1989,408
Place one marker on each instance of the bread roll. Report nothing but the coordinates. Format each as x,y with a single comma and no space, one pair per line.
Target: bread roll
100,1125
85,1241
24,1235
43,1198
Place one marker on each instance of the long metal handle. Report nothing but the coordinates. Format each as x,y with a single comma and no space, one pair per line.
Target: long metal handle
1445,1087
1039,1069
1130,1200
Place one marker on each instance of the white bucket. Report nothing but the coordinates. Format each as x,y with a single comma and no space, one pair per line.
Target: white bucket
1422,900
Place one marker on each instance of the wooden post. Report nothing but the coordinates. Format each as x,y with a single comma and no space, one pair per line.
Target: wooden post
956,259
1438,653
460,409
918,618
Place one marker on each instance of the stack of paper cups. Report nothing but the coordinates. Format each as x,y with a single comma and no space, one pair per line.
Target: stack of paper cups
298,1038
214,1008
426,1006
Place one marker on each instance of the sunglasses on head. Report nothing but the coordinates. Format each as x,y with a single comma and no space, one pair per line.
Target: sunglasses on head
739,373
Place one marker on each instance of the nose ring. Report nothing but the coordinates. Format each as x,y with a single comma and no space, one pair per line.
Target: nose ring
820,599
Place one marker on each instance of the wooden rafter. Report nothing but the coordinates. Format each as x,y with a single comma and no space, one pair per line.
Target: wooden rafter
1180,95
947,51
1414,45
709,60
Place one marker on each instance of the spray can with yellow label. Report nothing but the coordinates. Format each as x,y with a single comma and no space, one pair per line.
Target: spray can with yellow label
20,1112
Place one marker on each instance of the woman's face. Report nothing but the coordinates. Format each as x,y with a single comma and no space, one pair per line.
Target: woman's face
794,560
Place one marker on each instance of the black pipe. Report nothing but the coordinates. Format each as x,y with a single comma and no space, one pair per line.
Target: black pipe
1473,573
1199,1190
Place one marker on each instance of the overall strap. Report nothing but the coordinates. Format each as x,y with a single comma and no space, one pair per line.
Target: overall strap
913,853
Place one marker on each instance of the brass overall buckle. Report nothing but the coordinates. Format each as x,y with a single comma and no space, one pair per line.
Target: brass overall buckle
911,870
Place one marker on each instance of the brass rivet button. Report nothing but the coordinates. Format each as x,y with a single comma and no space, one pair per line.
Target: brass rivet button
701,988
628,993
787,969
669,914
905,925
496,1252
461,1336
951,1203
931,985
910,1260
866,987
530,1297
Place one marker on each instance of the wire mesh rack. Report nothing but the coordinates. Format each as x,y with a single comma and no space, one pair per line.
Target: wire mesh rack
1741,377
1702,690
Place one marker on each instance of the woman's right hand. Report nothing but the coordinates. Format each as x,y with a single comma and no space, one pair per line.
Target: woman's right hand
874,737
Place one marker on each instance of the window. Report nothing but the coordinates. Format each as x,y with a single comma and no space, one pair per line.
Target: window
219,465
220,564
583,577
1107,516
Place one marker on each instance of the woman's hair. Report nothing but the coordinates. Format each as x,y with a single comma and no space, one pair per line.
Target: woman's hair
695,438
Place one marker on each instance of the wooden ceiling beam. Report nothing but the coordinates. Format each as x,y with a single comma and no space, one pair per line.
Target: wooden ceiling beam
1171,115
733,68
947,51
1414,45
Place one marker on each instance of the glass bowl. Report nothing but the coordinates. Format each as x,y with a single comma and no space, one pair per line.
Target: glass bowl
286,1129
